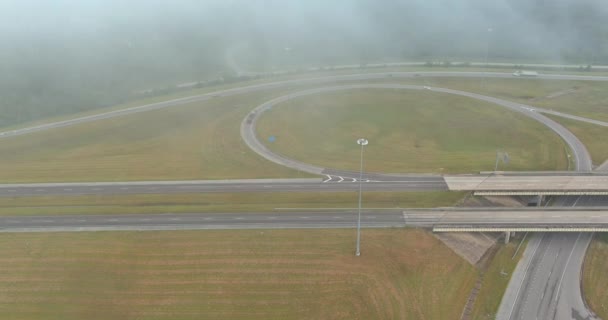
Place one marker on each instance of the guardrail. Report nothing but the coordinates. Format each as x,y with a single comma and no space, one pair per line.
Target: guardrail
531,228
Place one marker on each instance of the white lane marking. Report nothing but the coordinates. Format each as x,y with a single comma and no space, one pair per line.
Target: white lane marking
96,189
13,221
175,219
328,178
238,218
271,218
304,217
341,179
354,180
42,221
144,219
39,190
112,220
207,218
337,217
67,189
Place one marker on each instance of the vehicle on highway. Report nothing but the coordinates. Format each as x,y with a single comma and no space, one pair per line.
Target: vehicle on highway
524,73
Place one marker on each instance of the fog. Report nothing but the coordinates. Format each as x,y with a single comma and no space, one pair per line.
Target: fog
61,56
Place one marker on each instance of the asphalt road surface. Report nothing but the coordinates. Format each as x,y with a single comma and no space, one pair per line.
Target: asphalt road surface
190,221
547,284
404,183
310,218
507,217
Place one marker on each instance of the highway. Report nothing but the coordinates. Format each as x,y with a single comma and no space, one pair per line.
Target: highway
523,184
546,283
194,221
404,183
505,217
302,218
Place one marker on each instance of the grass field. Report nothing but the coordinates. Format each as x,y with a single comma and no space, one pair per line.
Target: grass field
275,274
194,141
591,135
219,202
595,282
409,131
497,275
300,75
583,98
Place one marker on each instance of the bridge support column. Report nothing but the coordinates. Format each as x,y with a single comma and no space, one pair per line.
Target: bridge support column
540,200
507,236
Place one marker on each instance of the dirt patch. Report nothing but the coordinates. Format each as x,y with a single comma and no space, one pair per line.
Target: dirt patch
470,246
504,201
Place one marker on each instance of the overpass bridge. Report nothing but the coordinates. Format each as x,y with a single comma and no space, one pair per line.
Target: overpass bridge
551,219
527,184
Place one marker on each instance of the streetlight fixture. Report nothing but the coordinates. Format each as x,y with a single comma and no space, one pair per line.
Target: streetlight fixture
488,45
362,142
483,79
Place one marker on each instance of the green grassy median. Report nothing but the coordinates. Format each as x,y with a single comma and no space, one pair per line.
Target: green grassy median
409,131
219,202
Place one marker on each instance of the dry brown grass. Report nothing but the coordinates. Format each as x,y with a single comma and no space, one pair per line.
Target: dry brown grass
595,282
276,274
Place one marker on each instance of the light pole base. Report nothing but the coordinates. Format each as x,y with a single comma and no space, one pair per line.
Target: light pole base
357,253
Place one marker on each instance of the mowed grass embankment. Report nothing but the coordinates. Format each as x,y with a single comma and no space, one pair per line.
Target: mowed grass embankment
496,276
593,137
219,202
595,281
409,131
194,141
261,274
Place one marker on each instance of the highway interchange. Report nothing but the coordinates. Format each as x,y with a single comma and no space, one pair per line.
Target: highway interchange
547,285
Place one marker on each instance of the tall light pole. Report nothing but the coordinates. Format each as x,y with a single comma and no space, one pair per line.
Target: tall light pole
487,54
362,142
488,45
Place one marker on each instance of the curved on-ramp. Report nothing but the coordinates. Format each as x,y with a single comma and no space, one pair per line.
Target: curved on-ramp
248,125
